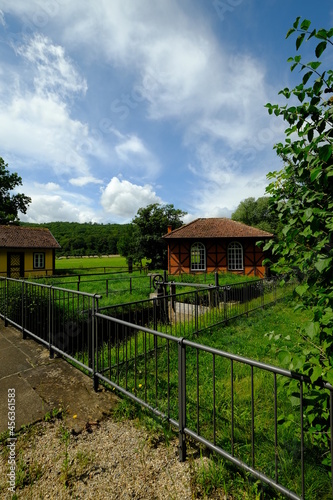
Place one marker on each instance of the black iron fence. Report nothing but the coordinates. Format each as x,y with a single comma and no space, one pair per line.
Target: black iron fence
178,313
61,319
209,395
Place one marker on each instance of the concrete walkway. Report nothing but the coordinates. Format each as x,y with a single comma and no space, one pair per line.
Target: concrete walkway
42,384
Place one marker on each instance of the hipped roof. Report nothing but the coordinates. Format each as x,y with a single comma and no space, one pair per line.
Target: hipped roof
26,237
216,228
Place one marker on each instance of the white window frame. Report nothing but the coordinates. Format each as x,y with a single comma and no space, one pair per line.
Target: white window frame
39,260
198,257
235,256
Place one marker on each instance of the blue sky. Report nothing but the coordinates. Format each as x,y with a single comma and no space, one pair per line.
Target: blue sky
107,106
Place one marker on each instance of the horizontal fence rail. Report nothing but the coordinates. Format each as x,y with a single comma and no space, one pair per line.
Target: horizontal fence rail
209,395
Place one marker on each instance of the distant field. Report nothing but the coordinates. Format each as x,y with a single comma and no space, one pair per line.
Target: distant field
90,262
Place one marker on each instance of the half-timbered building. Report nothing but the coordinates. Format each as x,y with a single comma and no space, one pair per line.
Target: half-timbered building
216,245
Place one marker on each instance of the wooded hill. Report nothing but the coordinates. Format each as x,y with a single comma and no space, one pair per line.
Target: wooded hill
84,239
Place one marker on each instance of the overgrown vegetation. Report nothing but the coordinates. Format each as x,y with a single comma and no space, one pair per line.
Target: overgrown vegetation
302,196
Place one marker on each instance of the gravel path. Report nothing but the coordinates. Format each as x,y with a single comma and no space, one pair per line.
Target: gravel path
111,459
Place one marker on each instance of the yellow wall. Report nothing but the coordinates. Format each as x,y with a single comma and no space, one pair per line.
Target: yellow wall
28,261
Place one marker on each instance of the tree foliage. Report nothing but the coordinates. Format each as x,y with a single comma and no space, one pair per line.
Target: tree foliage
144,240
302,196
85,238
257,213
10,204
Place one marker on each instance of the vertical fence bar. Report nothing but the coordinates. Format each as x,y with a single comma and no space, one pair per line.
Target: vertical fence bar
275,430
94,341
331,436
49,312
252,417
182,399
214,403
232,404
6,303
198,395
302,438
23,305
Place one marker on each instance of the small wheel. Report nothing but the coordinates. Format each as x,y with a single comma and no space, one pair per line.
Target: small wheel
157,280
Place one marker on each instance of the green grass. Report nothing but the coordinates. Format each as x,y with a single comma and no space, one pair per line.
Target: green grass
90,262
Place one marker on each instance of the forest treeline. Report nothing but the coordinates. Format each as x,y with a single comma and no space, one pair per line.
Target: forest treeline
85,239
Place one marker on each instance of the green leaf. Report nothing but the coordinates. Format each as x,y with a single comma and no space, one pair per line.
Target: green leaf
320,48
316,373
284,357
307,76
305,24
325,152
322,264
314,64
316,172
299,40
307,214
312,329
292,30
302,289
296,23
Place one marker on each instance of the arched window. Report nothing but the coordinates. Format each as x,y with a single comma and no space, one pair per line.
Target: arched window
235,256
198,257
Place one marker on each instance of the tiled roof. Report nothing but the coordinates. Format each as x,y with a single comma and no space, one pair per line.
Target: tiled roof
217,228
26,237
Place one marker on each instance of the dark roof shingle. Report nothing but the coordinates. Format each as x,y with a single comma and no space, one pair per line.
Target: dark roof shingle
217,228
26,237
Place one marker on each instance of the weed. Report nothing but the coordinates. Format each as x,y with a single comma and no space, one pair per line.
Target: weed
66,463
55,413
27,473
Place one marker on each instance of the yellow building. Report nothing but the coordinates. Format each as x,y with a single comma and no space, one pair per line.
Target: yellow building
26,251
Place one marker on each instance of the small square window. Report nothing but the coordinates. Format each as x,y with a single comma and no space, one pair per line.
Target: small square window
39,260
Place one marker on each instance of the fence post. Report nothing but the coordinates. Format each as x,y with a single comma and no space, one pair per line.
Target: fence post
182,399
94,346
23,303
196,311
50,313
6,303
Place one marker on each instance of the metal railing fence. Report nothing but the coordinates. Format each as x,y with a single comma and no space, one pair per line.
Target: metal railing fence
201,307
59,318
215,398
210,395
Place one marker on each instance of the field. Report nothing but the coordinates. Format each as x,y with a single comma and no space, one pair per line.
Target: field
109,277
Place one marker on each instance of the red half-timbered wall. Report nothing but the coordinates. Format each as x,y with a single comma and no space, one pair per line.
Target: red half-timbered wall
179,256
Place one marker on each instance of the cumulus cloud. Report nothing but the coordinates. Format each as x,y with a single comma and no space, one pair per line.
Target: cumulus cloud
122,199
51,202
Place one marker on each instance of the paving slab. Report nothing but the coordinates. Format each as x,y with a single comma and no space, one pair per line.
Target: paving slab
42,384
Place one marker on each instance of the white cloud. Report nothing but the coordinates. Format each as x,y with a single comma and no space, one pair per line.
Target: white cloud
50,208
2,18
36,116
133,153
54,72
83,181
122,199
